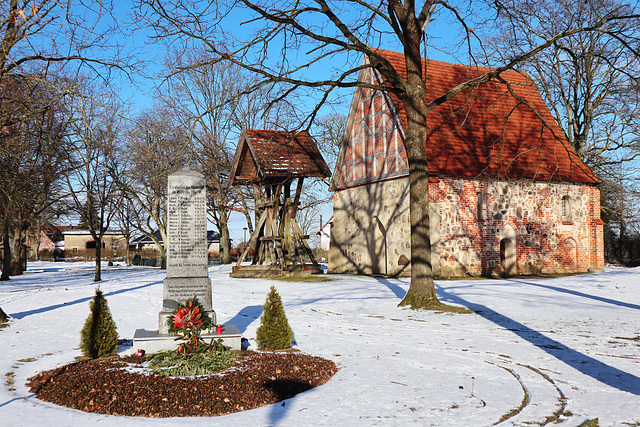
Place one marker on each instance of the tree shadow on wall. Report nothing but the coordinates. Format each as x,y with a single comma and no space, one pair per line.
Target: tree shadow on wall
367,219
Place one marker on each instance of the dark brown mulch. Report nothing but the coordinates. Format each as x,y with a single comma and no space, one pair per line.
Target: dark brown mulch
257,379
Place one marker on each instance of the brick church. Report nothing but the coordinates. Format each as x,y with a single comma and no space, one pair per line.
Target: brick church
508,195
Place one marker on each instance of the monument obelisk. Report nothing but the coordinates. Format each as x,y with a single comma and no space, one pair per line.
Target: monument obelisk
187,262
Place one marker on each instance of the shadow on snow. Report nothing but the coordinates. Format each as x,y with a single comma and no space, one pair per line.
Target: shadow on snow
23,314
245,317
594,368
583,295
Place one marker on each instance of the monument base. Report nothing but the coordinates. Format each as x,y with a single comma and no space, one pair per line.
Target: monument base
253,271
163,328
152,341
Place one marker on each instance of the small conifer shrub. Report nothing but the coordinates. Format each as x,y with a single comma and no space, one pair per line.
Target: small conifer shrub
99,337
274,332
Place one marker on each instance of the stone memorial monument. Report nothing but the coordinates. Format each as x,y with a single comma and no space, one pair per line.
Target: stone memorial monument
187,263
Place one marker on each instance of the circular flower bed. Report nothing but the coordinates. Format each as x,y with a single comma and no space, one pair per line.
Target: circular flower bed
124,386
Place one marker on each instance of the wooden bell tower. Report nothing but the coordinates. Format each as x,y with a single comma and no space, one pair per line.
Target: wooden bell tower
271,161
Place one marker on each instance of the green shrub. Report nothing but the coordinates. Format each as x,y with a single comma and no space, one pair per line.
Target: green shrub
170,363
274,332
99,337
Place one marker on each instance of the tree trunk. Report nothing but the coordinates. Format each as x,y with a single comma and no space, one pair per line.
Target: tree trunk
3,316
225,244
421,293
128,254
17,253
98,276
6,246
36,244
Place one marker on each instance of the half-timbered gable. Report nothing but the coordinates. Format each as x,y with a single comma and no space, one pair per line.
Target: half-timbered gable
375,149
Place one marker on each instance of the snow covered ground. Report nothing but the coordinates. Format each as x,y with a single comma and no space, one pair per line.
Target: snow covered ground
534,347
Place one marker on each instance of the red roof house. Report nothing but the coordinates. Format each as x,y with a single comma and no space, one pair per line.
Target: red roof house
508,193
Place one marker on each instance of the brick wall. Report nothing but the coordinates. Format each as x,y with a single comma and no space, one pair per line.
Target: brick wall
371,231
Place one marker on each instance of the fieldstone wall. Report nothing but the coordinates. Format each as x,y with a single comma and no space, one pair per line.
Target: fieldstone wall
371,233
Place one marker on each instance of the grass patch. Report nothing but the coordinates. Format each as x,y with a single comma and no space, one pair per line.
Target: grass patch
171,364
444,308
9,381
9,378
27,360
312,278
416,301
439,307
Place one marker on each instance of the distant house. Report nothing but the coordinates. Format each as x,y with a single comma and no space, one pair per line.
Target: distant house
42,244
507,192
213,242
146,247
145,244
80,243
325,234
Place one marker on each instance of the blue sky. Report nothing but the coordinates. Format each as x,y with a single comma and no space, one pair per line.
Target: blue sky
137,93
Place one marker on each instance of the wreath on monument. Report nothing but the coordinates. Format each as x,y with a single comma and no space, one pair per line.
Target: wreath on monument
187,321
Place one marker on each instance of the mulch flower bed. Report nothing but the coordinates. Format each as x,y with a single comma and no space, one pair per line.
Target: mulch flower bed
120,386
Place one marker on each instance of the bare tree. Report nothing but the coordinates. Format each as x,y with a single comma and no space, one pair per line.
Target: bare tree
620,197
124,220
155,147
294,43
41,39
589,79
95,193
33,159
216,101
205,98
48,32
329,130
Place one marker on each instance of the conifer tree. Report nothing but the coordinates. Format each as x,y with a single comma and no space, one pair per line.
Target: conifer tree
99,337
274,331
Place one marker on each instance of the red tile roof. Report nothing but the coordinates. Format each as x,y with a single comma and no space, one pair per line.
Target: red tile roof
268,154
486,131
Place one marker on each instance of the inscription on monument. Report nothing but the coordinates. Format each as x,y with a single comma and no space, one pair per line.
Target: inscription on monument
187,264
186,228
